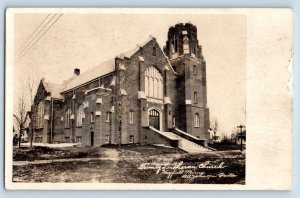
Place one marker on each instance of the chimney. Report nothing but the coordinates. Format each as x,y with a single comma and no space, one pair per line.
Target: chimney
77,71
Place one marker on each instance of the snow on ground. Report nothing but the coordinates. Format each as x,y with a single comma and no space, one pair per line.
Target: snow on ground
60,145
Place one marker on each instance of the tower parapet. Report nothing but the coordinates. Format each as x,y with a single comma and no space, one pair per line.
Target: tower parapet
182,39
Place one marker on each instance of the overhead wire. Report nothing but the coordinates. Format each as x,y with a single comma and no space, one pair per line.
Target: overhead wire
33,32
40,32
39,38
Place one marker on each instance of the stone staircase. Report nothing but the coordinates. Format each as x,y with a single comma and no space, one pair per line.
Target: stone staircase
184,144
187,145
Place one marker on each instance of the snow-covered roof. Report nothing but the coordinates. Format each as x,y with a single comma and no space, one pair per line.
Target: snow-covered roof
91,74
131,52
54,89
94,73
100,70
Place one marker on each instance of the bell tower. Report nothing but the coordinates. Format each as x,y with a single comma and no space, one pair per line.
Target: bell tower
185,55
182,39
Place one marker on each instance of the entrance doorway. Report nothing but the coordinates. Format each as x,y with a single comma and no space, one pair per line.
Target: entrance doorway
154,119
92,139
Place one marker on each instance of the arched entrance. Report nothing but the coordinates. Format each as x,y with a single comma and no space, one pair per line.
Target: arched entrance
154,119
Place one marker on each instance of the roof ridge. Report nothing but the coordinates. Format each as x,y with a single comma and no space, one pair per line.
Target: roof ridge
72,83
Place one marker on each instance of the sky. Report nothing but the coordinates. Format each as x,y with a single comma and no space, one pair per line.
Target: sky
85,40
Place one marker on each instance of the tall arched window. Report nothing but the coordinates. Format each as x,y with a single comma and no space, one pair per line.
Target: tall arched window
68,117
153,83
175,43
186,45
40,115
80,115
196,120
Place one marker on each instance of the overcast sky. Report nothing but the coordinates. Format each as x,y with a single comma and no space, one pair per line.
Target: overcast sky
86,40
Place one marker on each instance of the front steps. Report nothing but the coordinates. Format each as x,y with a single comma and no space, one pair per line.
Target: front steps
187,145
183,143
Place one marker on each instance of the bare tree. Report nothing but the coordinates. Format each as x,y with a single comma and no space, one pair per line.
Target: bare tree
214,125
20,115
233,134
243,108
31,84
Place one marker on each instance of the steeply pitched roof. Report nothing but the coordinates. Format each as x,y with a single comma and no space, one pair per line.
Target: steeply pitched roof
131,52
96,72
54,89
100,70
91,74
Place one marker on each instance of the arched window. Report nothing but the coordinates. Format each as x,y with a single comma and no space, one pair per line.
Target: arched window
186,45
175,43
68,117
194,69
153,83
80,115
195,98
196,120
40,115
92,117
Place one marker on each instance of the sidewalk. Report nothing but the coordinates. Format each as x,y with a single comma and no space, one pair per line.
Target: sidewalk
24,163
109,154
61,145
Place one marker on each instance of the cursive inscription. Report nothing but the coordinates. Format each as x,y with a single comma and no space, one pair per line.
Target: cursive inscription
189,171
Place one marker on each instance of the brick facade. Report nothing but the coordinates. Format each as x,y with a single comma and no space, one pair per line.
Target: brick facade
116,108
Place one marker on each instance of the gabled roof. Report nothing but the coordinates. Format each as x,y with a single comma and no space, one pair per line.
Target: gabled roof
131,52
54,89
100,70
96,72
91,74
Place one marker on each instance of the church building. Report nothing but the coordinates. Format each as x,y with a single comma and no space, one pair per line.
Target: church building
147,95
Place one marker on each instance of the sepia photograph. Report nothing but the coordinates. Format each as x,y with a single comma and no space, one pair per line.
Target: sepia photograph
127,98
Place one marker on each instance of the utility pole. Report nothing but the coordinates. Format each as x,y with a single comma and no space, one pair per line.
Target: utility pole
240,135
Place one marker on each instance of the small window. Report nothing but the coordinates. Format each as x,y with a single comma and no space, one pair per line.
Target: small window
173,122
145,137
131,117
195,70
107,139
92,117
196,120
195,98
78,139
154,51
38,139
107,117
67,139
131,139
203,82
